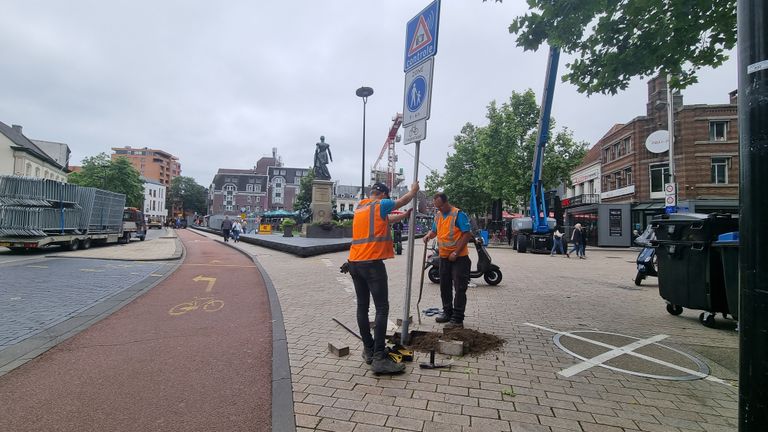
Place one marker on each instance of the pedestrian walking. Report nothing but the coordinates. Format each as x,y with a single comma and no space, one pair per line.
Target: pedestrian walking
584,237
453,232
226,227
557,242
371,245
576,239
244,224
236,230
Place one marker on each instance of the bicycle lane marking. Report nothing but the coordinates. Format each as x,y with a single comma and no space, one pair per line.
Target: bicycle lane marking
202,371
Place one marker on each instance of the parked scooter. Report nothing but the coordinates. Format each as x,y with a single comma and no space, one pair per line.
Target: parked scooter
646,260
485,268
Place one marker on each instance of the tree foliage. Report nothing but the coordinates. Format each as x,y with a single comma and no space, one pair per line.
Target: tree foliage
186,194
614,40
113,175
304,197
495,161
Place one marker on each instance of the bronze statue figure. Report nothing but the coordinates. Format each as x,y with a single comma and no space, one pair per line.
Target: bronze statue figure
322,157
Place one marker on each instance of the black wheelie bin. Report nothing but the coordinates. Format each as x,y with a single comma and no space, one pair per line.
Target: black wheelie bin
727,246
690,273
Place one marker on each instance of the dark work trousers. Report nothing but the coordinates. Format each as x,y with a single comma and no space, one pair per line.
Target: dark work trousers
370,279
454,275
225,232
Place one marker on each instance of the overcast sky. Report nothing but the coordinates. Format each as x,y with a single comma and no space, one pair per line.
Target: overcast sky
218,84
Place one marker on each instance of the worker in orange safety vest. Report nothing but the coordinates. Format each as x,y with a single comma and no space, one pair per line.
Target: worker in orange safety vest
453,231
371,245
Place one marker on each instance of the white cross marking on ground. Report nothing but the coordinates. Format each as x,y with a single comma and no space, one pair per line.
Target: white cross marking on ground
632,353
604,357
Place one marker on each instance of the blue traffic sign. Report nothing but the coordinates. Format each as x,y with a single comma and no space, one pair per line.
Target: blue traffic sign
416,93
421,36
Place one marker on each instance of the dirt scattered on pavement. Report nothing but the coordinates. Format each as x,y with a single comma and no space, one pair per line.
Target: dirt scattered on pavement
475,342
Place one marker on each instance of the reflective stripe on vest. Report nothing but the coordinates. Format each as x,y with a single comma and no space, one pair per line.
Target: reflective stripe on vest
375,241
448,235
372,225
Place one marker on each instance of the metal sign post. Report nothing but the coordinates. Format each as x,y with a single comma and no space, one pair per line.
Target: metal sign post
404,336
420,49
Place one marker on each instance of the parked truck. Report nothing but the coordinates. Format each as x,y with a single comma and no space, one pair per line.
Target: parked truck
36,213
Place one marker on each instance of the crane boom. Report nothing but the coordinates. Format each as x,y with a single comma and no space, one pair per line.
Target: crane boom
389,148
538,203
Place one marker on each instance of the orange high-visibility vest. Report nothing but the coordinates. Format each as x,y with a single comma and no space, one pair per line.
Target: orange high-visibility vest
371,237
448,234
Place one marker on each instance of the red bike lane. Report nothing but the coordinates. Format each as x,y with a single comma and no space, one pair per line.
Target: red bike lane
194,353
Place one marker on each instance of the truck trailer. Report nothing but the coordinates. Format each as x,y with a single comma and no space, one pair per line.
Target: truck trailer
37,213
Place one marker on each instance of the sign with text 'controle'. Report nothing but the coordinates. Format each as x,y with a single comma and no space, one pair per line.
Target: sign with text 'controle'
421,36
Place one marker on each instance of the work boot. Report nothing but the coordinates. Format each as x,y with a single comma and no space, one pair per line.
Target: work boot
453,325
367,355
383,364
442,318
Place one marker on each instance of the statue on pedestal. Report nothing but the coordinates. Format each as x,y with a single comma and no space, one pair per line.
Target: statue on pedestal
322,157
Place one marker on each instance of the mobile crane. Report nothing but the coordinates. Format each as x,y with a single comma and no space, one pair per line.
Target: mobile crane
389,147
534,232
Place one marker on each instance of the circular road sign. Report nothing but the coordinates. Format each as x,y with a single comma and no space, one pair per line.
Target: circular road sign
417,93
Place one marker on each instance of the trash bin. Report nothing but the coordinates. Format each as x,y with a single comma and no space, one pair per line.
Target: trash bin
727,246
690,273
484,235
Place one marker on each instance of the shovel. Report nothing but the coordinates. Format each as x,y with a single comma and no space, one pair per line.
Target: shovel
421,283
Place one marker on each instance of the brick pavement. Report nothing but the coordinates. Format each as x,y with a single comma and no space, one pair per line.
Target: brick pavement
514,389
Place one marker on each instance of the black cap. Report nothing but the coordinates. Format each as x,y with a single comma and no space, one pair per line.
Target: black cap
381,187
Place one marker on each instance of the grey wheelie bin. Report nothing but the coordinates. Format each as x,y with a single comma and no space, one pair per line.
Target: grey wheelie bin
690,273
727,246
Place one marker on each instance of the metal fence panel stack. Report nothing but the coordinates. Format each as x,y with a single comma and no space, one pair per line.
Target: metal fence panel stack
37,207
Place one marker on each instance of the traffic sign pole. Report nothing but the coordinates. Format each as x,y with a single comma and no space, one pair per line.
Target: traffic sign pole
404,336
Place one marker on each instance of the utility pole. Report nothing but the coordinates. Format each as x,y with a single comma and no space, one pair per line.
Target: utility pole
752,15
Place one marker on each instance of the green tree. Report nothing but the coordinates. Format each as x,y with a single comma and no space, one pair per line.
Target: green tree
113,175
433,183
186,194
495,161
614,41
463,180
304,197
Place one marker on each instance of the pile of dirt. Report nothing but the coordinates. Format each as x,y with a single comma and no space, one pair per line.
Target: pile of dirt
475,342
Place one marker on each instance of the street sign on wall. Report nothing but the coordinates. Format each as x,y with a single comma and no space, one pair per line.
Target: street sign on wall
418,91
421,36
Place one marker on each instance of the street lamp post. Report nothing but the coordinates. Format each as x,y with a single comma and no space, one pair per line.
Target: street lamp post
363,92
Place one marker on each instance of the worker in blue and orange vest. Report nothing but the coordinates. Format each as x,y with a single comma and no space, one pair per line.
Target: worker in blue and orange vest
371,245
452,229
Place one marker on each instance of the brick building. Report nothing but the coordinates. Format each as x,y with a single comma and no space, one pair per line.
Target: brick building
236,189
268,186
154,164
632,176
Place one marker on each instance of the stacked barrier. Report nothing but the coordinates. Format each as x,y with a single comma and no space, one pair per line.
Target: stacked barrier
38,207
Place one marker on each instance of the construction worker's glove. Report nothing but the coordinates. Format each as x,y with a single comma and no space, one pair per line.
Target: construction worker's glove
344,268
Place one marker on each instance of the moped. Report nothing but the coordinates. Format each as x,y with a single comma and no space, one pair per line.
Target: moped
646,259
485,267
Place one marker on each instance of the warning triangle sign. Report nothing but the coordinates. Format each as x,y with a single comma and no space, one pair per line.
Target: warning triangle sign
421,37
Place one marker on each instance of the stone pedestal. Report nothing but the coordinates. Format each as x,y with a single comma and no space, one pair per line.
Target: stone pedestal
322,192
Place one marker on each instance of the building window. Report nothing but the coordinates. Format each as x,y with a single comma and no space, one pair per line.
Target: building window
628,176
278,194
627,145
249,187
659,176
278,185
720,170
37,172
606,154
257,188
718,130
619,179
341,206
351,207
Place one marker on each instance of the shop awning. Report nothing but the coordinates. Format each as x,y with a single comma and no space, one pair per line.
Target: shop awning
649,206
